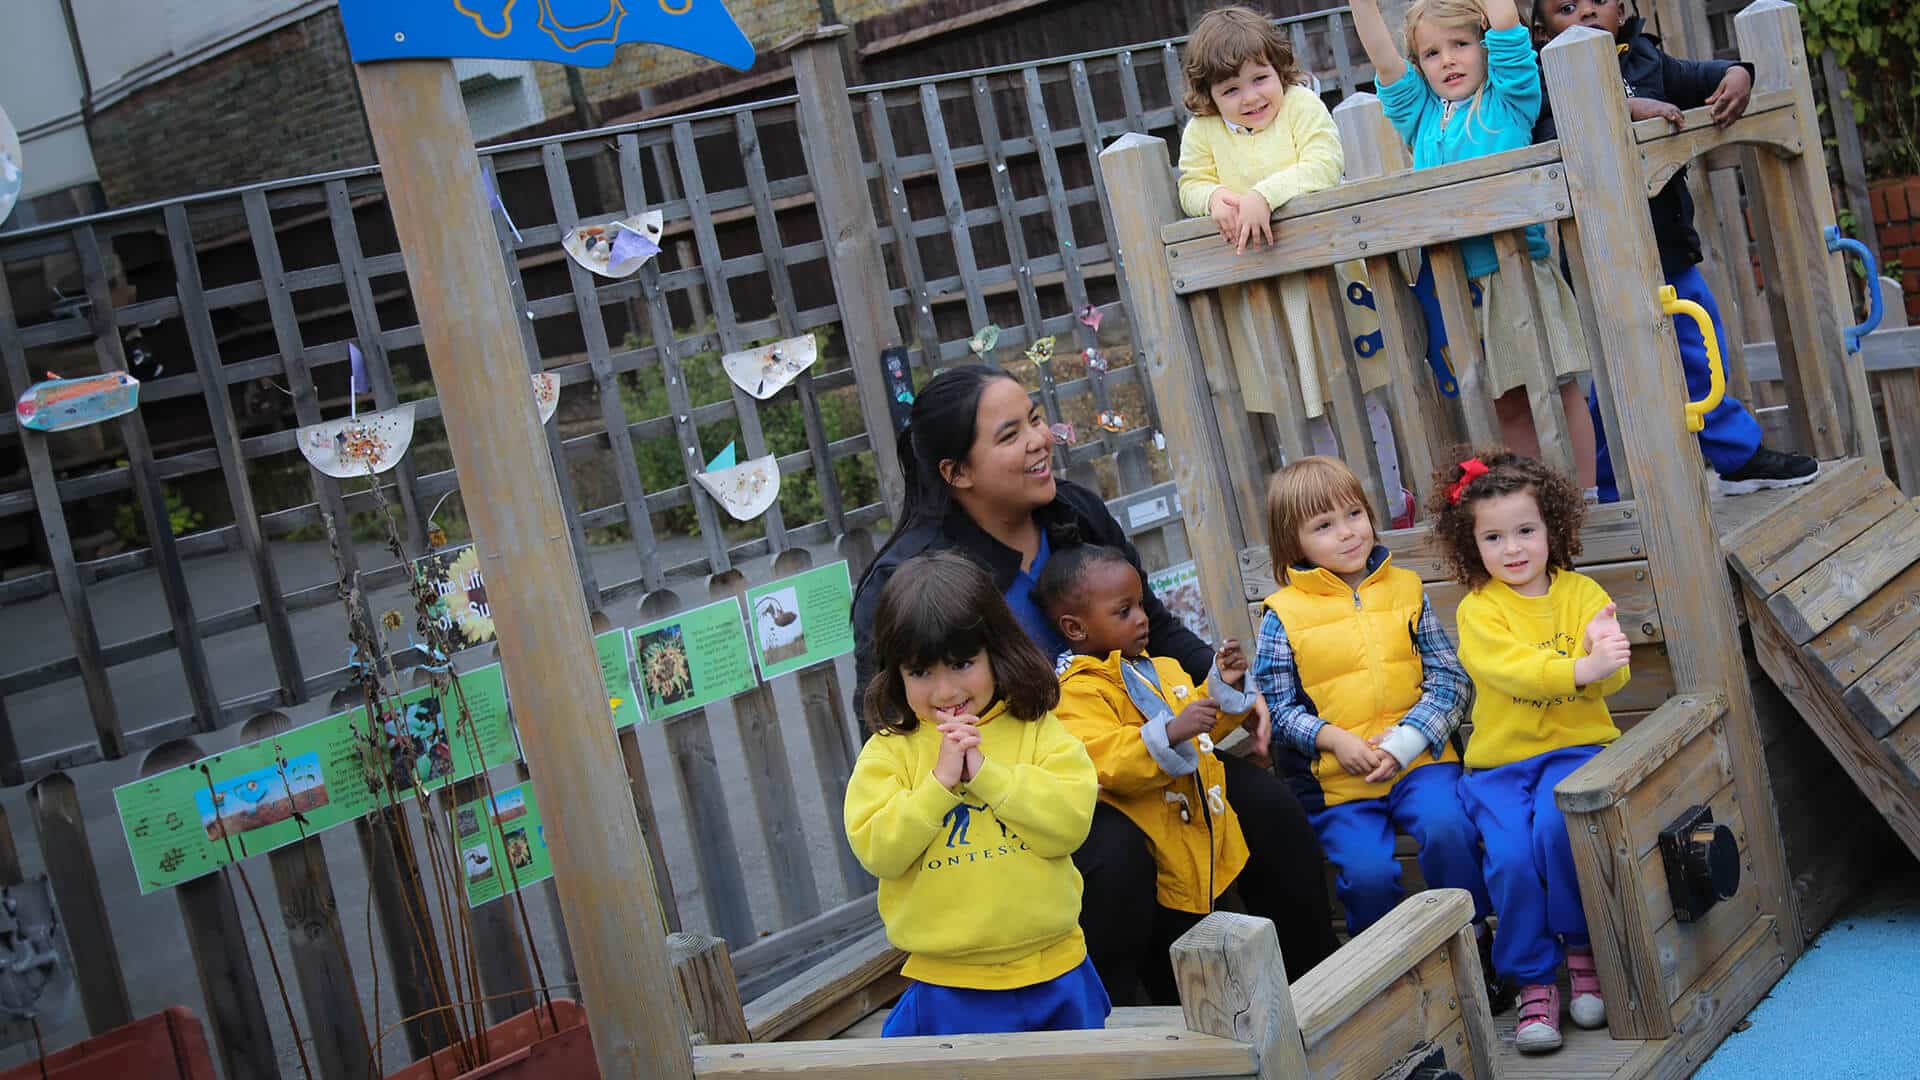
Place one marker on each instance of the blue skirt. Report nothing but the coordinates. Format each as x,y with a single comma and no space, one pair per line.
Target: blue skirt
1070,1002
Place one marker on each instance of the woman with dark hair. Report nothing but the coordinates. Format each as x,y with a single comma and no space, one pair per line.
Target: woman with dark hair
977,453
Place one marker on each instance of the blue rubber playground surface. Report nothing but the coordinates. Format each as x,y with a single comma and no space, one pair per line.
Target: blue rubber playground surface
1846,1009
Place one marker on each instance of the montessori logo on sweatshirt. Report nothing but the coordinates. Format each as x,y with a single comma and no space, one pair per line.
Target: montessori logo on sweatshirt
958,822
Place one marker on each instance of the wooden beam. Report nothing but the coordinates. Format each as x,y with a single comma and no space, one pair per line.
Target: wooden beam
1233,983
1344,983
1126,1054
1633,757
703,972
467,317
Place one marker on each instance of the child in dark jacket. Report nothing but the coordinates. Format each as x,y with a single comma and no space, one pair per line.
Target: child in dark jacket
1660,85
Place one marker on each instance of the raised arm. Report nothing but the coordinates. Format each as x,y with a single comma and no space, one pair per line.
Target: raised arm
1378,39
1502,14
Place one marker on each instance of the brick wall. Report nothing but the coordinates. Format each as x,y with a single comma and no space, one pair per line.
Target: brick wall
1896,217
284,104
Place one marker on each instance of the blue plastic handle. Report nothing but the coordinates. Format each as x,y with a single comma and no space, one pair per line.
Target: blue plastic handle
1876,307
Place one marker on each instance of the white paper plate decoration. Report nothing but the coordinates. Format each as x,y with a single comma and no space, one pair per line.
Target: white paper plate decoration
765,371
370,443
13,165
746,490
546,394
593,246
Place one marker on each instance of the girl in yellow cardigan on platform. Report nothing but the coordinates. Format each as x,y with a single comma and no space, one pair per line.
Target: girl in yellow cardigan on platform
1544,648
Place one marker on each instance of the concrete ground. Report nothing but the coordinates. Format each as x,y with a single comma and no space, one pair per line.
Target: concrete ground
148,931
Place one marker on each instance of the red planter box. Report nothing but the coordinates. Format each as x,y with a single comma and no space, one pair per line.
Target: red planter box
525,1047
165,1046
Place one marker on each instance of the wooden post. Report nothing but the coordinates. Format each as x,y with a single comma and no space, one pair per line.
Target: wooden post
1900,398
1846,138
703,974
319,947
1233,983
62,829
500,950
1806,286
218,937
1140,178
853,239
433,180
1638,347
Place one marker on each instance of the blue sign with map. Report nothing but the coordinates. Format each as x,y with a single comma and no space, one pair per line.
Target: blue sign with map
579,32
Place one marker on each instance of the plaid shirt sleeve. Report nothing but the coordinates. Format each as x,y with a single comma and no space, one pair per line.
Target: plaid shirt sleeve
1278,681
1445,691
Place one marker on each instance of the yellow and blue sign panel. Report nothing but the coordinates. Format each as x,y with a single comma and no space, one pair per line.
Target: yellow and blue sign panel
579,32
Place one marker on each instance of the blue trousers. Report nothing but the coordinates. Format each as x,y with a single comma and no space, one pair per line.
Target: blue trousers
1069,1002
1358,839
1732,434
1529,862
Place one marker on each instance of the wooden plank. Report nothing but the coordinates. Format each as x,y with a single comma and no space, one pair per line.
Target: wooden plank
317,944
680,400
593,330
1425,427
1820,597
785,954
1263,357
1584,299
1130,93
1542,384
953,206
833,1021
1332,993
1383,226
858,963
1470,989
1610,890
1888,693
832,148
74,604
1348,408
1246,463
906,249
1141,182
770,777
1464,348
703,973
1815,522
1852,155
1891,616
1900,398
148,495
1695,773
1629,584
366,328
696,772
1137,1054
1411,1010
1683,551
1770,121
1176,85
1635,758
1233,984
68,857
1875,767
1687,951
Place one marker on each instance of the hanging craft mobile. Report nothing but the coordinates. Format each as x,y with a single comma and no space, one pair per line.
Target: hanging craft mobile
984,339
1113,421
618,248
1041,351
1064,435
746,490
1090,317
767,369
357,445
64,404
546,394
1096,360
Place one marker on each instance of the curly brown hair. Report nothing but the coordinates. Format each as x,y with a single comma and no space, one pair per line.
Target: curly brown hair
1226,38
1561,504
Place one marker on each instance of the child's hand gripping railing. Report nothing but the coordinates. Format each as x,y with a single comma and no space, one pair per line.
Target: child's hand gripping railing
1876,306
1697,411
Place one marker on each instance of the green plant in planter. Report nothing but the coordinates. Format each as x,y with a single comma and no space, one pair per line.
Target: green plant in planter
131,527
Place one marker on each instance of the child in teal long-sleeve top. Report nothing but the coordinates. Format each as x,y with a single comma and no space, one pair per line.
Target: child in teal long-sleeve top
1473,90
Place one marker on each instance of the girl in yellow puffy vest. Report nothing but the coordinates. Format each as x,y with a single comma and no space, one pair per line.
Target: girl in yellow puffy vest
1365,693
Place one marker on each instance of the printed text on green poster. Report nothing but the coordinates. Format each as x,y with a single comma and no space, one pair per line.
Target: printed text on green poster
692,659
800,621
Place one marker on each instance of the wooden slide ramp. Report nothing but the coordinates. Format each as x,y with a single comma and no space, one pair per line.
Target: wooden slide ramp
1831,578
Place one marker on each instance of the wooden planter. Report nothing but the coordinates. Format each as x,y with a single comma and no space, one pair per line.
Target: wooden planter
169,1045
523,1047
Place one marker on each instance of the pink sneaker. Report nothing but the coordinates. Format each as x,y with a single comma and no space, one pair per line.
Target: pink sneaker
1538,1029
1589,1009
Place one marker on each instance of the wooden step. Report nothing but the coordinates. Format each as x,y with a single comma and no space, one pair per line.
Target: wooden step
1844,580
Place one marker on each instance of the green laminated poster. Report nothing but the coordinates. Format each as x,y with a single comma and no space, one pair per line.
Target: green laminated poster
802,620
616,670
460,592
192,820
692,659
502,844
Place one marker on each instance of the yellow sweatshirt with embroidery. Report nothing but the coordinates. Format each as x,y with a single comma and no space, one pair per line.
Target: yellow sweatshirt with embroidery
1297,153
1520,650
978,886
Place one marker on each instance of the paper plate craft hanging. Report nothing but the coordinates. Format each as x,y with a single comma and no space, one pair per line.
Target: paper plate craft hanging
12,166
546,394
65,404
1115,422
1064,435
1090,317
746,490
618,248
1041,351
358,445
984,339
766,370
1096,360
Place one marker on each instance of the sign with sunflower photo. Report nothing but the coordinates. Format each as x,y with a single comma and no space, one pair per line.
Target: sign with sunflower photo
460,588
693,659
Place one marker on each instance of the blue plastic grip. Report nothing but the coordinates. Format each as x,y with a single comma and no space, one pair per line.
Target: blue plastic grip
1876,306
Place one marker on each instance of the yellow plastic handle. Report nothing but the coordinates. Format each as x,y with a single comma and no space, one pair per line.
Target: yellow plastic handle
1697,411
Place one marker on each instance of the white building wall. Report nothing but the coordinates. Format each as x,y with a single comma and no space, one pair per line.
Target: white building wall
40,90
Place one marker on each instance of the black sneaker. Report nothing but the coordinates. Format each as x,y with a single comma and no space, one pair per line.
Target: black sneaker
1500,992
1769,469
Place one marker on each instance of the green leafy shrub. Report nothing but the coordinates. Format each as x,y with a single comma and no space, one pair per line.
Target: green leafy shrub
1876,41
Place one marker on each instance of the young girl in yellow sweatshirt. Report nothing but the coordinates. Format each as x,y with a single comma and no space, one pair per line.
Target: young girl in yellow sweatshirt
968,803
1544,649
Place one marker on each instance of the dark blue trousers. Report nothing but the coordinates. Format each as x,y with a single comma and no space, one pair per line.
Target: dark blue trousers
1358,839
1071,1002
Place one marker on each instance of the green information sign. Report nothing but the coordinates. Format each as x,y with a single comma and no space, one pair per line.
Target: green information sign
192,820
802,620
616,670
692,659
502,843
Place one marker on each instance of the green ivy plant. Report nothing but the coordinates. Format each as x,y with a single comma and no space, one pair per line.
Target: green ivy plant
1876,42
